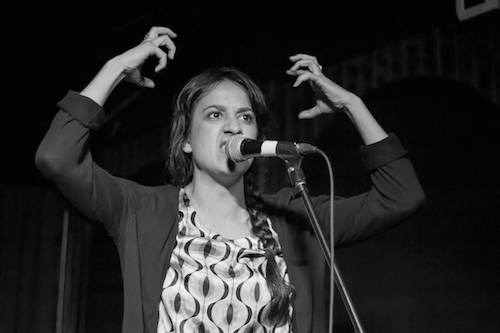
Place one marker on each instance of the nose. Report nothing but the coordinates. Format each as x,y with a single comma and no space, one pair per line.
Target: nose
232,125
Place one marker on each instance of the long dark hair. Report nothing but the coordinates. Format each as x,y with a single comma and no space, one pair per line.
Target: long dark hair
180,167
179,163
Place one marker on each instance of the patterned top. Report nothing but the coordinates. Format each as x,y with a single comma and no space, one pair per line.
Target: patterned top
215,284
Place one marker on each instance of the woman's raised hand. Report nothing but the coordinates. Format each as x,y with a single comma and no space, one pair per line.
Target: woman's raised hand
133,59
330,97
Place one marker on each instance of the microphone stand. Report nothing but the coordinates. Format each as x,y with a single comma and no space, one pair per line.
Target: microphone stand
298,180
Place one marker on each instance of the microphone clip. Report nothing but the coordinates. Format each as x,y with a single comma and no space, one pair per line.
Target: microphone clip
295,173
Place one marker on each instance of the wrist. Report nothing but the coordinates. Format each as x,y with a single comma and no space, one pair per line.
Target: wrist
114,68
353,106
369,129
352,102
105,81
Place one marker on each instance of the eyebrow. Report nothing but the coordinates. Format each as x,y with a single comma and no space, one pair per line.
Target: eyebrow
223,108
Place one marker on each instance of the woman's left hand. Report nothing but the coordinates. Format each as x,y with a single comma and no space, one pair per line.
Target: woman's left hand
330,97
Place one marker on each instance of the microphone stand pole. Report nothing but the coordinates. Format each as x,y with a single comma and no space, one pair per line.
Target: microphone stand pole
298,180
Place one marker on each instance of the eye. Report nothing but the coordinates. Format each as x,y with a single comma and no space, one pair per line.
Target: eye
248,117
214,114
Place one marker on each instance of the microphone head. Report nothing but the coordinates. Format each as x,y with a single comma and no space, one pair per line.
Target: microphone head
233,148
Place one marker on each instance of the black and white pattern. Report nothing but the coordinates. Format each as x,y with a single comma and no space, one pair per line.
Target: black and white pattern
215,284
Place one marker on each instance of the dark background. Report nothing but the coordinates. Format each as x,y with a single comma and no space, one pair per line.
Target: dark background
49,47
437,272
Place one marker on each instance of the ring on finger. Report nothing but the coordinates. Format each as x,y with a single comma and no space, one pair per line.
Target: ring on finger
147,36
320,67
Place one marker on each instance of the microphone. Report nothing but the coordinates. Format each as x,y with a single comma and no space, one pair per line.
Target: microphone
240,148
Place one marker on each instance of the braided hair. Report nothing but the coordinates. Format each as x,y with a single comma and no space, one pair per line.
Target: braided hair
281,291
180,167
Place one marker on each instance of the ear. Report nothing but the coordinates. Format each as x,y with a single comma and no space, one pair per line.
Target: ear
187,148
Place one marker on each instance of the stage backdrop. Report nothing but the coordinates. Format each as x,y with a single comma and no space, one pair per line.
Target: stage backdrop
435,272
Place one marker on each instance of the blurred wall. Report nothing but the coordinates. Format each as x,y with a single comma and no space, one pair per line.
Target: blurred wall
438,90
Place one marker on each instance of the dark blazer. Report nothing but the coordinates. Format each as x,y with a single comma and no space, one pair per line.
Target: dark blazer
142,220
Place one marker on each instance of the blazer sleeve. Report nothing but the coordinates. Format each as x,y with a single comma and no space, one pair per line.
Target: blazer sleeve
395,194
64,157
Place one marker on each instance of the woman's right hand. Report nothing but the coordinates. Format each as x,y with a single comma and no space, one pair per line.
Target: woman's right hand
133,59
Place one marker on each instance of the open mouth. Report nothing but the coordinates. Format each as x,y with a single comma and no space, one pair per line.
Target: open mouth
223,145
231,165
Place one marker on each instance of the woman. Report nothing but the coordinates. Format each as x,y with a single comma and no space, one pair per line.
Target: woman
206,253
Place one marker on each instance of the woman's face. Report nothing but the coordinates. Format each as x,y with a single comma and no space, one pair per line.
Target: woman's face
223,112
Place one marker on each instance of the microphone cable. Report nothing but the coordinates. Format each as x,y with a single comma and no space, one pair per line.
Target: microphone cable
332,240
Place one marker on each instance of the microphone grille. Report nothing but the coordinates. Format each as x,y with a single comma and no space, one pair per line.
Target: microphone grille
233,148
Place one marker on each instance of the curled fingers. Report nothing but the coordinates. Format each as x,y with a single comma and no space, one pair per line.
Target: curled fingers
162,36
305,60
162,57
302,76
166,41
155,32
